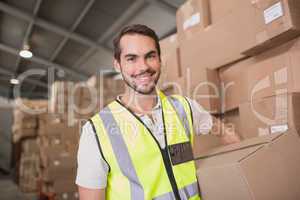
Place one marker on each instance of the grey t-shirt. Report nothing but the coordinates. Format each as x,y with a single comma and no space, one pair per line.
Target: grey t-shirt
92,169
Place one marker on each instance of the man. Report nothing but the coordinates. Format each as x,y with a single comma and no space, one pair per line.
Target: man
139,146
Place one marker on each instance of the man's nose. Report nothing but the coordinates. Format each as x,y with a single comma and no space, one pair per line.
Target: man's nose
143,65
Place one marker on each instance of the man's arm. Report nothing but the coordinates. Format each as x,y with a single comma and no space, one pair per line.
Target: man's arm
91,194
92,170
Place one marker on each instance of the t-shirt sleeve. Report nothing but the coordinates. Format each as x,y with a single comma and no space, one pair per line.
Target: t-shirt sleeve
202,120
92,170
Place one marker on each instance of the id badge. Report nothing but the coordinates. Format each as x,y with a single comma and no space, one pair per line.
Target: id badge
181,153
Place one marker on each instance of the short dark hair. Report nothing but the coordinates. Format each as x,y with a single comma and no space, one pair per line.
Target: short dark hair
134,29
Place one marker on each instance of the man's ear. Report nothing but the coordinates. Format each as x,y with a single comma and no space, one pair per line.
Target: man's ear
117,66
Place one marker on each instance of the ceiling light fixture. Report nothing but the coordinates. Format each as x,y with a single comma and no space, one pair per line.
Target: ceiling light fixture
14,81
25,52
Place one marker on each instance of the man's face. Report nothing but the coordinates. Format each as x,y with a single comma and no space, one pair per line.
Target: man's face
139,63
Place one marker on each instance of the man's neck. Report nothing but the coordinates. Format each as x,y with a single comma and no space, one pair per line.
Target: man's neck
139,103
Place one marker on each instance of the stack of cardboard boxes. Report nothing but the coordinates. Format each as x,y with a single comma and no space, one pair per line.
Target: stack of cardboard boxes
100,91
58,148
29,168
58,136
46,134
240,61
80,101
26,148
235,56
246,56
24,125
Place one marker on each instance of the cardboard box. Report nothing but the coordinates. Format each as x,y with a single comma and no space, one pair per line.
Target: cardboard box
23,133
276,22
106,83
234,80
64,186
52,125
175,87
30,146
60,94
192,16
203,85
58,165
29,172
233,121
261,76
204,143
270,115
49,154
236,29
262,168
275,70
170,64
23,119
36,104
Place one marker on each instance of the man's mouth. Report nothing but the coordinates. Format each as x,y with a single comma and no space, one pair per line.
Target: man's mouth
144,78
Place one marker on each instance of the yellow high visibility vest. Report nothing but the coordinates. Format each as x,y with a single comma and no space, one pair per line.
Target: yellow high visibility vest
138,167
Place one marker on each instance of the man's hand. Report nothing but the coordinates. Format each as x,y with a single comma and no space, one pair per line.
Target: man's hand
226,132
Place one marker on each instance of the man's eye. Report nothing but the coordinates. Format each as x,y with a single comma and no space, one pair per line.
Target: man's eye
130,59
152,56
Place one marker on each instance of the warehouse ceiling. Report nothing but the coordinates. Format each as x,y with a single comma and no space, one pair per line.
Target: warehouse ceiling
74,36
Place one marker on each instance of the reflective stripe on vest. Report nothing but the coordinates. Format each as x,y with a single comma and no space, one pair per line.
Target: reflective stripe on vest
137,165
185,193
123,157
182,114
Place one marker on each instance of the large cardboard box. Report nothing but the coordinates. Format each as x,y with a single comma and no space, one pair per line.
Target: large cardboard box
19,134
192,16
232,120
270,115
274,70
30,146
261,76
234,27
204,143
60,92
262,168
51,124
107,83
29,172
234,86
64,186
170,65
60,166
203,85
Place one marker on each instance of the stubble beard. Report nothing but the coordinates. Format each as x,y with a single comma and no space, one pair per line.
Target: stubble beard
135,87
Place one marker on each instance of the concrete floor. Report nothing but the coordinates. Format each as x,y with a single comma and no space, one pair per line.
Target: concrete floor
10,191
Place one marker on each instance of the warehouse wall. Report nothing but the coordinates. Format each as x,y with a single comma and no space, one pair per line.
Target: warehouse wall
6,119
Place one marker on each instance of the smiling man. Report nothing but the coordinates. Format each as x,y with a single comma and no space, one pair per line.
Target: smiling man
140,145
